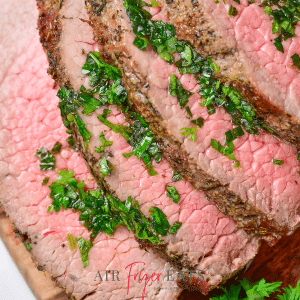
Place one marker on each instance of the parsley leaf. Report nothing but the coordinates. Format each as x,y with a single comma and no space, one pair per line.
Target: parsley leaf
105,167
104,142
296,60
84,247
47,159
278,162
176,176
45,180
159,221
72,241
56,148
175,227
176,90
232,11
172,193
185,131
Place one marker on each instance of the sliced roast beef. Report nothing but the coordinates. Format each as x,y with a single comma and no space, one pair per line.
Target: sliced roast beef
208,242
244,48
30,120
260,195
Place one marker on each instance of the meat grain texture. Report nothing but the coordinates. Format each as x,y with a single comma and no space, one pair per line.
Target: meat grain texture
257,193
30,120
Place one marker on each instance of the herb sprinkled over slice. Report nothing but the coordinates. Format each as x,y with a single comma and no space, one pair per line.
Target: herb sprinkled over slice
56,148
176,176
175,227
105,167
232,11
296,60
28,246
47,159
176,90
278,162
285,16
290,293
72,241
84,247
104,142
199,122
139,136
45,180
227,150
100,211
186,131
215,93
172,193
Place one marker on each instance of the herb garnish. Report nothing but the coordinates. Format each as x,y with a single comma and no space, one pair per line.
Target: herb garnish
100,211
105,167
199,122
228,149
84,247
175,227
45,180
56,148
278,162
176,90
176,176
232,11
104,142
186,131
215,93
71,241
139,136
47,159
296,60
285,18
172,193
28,246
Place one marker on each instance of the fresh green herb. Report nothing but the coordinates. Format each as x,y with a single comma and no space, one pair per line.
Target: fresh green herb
254,291
187,108
176,90
185,131
28,246
175,227
105,167
215,94
232,11
296,60
141,139
285,18
278,162
84,247
290,293
233,134
104,142
172,193
227,150
159,221
72,241
100,211
199,122
176,176
71,142
47,159
237,164
45,180
56,148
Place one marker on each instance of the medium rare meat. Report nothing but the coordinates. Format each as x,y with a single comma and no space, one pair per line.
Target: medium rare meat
30,120
207,242
244,48
261,196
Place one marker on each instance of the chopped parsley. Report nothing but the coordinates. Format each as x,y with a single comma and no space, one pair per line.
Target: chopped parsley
172,193
176,90
28,246
176,176
186,131
72,241
215,93
47,159
56,148
278,162
139,136
45,180
232,11
104,143
105,167
199,122
286,15
175,227
100,211
84,247
296,60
